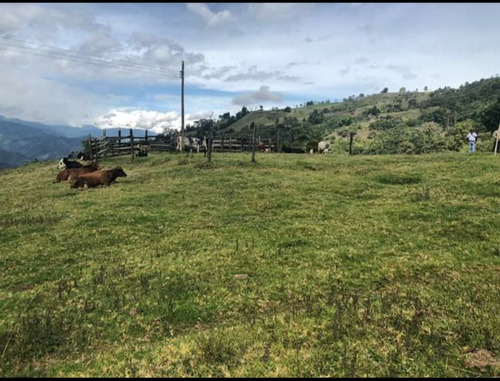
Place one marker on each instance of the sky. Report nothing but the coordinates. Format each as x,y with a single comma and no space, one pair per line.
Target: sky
118,64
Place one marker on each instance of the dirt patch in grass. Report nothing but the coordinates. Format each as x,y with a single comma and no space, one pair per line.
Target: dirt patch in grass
481,359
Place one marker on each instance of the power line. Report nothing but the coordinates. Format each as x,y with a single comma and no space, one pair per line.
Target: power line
99,61
72,59
29,50
85,55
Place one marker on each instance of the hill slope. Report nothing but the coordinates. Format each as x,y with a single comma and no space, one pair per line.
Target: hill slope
25,140
34,143
296,266
403,122
11,159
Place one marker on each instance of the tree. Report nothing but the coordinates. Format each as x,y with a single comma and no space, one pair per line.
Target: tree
375,111
386,90
316,117
490,117
287,109
412,103
402,90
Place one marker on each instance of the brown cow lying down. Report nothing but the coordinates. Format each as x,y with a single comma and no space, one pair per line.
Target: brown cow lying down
73,173
94,179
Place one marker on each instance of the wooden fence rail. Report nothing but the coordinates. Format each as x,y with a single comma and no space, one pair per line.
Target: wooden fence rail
121,145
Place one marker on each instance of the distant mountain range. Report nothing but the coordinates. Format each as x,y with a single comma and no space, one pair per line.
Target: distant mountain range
24,141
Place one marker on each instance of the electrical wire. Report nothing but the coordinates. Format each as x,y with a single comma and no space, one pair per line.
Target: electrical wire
86,55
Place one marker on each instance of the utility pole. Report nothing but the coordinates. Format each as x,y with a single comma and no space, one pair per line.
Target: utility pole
182,107
253,141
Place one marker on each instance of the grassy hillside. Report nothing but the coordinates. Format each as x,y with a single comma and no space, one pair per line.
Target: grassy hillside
346,108
402,122
296,266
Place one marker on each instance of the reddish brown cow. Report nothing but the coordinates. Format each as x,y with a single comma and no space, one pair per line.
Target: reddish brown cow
73,173
262,146
94,179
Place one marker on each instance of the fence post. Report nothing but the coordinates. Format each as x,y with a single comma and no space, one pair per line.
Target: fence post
96,150
103,139
253,141
277,141
351,136
210,139
146,136
119,142
222,144
89,140
132,144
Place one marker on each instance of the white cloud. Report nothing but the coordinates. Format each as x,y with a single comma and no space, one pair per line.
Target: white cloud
32,97
100,42
9,23
147,119
211,18
254,74
279,11
260,96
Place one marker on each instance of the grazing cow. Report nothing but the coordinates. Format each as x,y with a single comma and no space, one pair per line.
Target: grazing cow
323,146
73,173
64,163
94,179
293,150
191,143
262,147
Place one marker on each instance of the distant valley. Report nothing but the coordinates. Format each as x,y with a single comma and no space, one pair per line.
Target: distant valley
23,141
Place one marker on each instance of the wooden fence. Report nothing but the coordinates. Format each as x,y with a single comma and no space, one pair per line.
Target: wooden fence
229,144
109,146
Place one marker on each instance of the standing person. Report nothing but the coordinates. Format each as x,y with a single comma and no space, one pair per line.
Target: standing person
472,138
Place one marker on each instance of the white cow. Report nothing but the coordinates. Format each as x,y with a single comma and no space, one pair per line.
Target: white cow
191,144
323,146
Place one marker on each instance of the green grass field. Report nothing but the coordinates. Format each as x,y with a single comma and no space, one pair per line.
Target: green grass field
295,266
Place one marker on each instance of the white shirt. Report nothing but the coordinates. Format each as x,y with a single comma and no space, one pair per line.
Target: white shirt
472,137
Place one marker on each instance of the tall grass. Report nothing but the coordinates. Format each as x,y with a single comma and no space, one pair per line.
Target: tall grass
383,266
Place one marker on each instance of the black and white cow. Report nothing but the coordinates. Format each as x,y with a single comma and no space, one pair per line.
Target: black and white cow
191,144
64,163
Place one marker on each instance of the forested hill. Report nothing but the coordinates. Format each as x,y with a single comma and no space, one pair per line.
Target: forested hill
388,122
